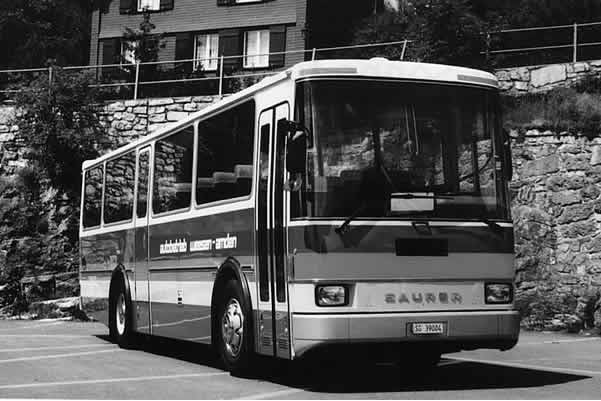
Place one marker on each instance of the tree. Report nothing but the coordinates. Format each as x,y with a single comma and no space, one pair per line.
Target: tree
33,31
59,120
442,31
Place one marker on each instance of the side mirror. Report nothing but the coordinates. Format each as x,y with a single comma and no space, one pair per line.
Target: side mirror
296,153
507,160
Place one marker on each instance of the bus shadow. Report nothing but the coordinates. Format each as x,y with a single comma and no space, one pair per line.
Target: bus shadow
363,376
178,349
360,377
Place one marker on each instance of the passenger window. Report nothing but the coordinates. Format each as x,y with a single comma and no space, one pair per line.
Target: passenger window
142,185
92,197
225,154
119,188
173,171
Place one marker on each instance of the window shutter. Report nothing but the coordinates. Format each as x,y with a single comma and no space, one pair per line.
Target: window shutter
184,50
277,43
111,48
230,45
166,5
127,6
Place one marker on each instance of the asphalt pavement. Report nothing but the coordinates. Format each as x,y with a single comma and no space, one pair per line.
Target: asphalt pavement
66,359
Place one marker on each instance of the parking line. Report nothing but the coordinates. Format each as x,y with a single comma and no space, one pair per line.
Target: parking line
32,326
272,394
579,340
58,347
49,335
35,358
532,367
115,380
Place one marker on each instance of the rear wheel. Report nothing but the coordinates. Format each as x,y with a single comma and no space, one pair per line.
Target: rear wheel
120,316
233,329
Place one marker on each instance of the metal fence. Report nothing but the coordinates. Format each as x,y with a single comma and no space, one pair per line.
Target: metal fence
544,45
198,76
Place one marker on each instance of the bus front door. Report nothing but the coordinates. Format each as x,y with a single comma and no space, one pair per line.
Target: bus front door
273,315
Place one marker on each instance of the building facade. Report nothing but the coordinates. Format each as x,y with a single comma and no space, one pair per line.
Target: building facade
204,30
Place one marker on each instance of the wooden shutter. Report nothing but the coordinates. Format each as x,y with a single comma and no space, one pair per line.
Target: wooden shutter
230,45
184,50
111,49
127,6
166,5
277,43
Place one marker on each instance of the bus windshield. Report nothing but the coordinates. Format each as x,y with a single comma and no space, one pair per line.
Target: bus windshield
400,149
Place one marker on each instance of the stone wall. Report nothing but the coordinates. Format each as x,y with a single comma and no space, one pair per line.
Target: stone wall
556,209
532,79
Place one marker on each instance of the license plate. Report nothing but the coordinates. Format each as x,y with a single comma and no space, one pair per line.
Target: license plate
427,328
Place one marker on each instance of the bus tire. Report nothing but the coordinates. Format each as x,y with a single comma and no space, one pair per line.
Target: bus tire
233,328
120,315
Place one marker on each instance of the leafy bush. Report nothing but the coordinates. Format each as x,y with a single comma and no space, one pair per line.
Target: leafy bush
561,109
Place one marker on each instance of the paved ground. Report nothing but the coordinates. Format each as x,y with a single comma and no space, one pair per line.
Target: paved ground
60,359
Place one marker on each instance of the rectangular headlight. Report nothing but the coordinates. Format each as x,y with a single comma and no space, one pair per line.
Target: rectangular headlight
330,295
498,293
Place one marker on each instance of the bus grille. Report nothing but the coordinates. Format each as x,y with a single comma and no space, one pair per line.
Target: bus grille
283,343
266,341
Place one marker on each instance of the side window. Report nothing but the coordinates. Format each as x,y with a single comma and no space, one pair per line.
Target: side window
225,154
119,188
173,171
142,185
92,196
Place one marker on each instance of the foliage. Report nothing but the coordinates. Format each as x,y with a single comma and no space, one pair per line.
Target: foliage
145,46
34,31
576,109
61,126
443,31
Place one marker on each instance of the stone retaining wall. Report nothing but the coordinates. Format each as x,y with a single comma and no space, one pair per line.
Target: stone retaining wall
533,79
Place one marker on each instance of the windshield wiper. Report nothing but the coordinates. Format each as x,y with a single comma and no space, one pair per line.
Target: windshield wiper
491,224
343,227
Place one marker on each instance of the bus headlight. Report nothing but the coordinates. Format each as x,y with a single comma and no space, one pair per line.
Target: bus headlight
498,293
330,295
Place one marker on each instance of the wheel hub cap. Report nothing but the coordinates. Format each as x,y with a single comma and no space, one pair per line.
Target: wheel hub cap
121,314
232,327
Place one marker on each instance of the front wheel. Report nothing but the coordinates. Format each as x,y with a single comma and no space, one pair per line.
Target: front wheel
120,317
233,329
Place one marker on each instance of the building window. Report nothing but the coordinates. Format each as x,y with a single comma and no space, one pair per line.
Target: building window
149,5
205,52
256,49
128,51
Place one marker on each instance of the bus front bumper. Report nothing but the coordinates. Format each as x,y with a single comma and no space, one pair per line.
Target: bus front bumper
462,330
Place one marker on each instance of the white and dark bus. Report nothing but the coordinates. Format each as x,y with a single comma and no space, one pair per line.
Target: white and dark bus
342,203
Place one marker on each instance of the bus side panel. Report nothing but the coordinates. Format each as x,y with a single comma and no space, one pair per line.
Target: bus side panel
185,257
100,255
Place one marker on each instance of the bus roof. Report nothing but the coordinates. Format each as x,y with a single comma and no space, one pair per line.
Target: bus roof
375,67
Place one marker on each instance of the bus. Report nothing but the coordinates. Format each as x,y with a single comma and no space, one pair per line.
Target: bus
350,204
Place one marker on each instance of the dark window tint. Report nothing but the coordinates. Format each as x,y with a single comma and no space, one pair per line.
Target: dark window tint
92,197
119,188
142,185
173,171
225,154
262,242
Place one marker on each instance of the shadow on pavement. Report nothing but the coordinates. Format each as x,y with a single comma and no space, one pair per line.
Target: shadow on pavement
363,376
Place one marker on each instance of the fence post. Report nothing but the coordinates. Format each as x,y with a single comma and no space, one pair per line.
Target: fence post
575,53
313,54
137,79
221,76
403,50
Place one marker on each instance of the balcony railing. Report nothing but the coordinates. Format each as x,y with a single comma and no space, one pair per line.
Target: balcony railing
183,77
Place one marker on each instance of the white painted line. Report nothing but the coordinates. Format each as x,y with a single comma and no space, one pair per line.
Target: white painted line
58,347
561,341
35,358
447,363
48,335
33,326
272,394
533,367
116,380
